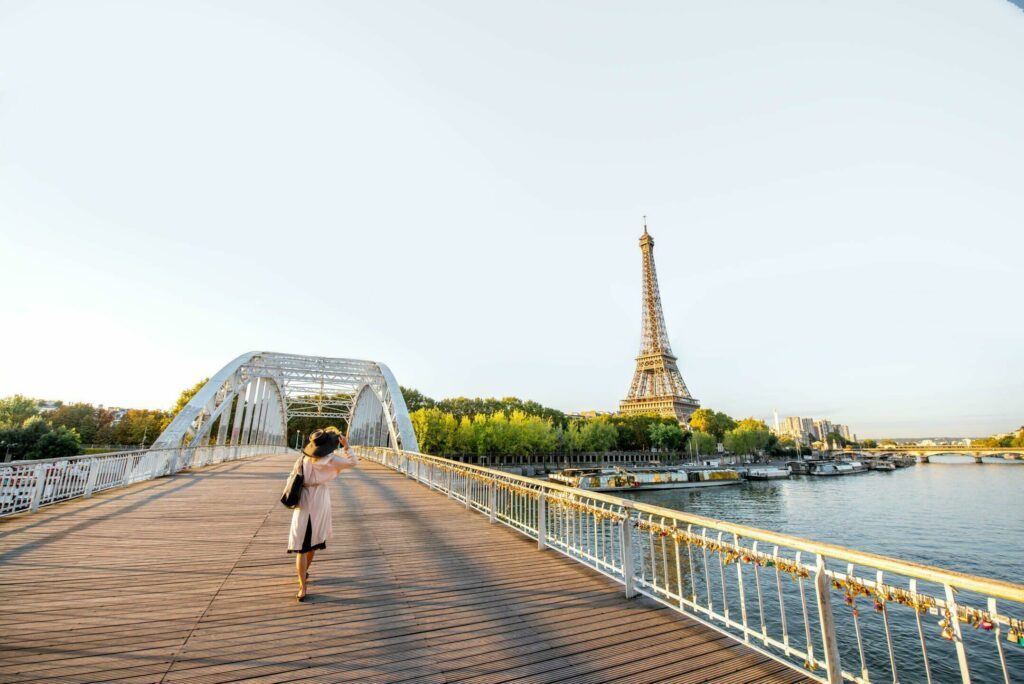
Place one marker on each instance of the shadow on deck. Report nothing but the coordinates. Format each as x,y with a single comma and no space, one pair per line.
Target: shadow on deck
186,579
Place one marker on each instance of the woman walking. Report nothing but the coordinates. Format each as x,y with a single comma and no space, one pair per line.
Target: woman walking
311,521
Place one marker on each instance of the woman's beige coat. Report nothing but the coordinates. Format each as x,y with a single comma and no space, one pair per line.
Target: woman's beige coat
315,502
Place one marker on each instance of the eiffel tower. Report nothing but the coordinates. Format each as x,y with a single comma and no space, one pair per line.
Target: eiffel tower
657,385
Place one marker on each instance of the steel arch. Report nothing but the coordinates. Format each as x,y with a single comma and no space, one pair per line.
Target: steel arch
252,398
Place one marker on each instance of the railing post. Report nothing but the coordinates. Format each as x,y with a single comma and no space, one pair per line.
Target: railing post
958,641
626,550
828,628
492,502
37,491
127,469
154,460
90,483
542,522
450,471
172,467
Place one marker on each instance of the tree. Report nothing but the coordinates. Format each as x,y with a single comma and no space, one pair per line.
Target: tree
594,435
868,443
15,410
36,439
751,424
712,422
415,400
666,437
85,419
56,443
703,443
836,438
139,426
750,436
635,430
435,430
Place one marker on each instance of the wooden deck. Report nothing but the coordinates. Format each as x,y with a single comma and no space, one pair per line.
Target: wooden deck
186,579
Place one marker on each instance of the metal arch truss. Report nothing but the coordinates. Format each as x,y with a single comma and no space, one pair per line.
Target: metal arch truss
255,395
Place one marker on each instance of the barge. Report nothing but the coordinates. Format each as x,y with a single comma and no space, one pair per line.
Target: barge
767,472
617,479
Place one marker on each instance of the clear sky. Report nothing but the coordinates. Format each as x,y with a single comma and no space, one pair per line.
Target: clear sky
836,191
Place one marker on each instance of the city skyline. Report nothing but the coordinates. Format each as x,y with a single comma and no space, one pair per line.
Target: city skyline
457,191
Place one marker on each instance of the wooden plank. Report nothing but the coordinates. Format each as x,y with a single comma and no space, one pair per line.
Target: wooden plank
186,579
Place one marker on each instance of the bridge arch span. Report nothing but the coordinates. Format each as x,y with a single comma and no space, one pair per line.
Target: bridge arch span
251,399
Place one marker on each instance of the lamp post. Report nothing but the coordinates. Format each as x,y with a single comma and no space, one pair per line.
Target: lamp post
7,455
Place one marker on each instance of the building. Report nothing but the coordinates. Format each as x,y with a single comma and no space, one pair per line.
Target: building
588,414
822,428
657,385
809,430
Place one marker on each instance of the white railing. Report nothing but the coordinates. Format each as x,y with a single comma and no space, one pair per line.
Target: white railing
830,612
27,485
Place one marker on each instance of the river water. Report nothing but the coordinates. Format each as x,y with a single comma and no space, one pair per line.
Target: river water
951,513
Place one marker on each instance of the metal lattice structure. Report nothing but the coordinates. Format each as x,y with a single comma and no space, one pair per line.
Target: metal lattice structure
657,385
250,400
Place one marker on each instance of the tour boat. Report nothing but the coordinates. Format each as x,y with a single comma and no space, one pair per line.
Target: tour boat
616,479
766,473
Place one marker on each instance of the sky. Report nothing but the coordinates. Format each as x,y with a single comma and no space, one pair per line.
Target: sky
457,189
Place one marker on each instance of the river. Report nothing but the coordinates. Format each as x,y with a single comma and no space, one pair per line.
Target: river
951,513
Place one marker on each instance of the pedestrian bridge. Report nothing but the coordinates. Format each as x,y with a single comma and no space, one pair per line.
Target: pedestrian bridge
169,565
185,579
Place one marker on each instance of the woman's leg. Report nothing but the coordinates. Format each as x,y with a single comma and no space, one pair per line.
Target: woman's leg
300,570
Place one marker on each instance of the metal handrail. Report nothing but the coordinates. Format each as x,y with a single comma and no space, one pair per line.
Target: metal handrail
931,573
666,555
79,457
28,485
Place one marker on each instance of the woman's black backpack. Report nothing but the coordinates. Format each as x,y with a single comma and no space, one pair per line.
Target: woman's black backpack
293,487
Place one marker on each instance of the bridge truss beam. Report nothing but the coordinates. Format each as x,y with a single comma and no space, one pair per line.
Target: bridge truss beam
251,399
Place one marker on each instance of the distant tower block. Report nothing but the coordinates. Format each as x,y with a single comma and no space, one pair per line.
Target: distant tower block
657,385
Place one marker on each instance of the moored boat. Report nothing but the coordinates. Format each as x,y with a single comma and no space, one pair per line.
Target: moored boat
834,468
617,479
883,464
767,472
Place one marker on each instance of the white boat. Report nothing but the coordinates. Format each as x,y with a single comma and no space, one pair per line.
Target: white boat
833,468
767,473
617,479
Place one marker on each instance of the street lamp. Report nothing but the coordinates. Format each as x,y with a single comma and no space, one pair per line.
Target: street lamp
7,456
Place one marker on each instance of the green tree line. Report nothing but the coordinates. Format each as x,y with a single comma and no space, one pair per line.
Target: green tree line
26,432
1012,440
512,426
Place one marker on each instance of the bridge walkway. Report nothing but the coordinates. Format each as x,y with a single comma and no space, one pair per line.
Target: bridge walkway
185,579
